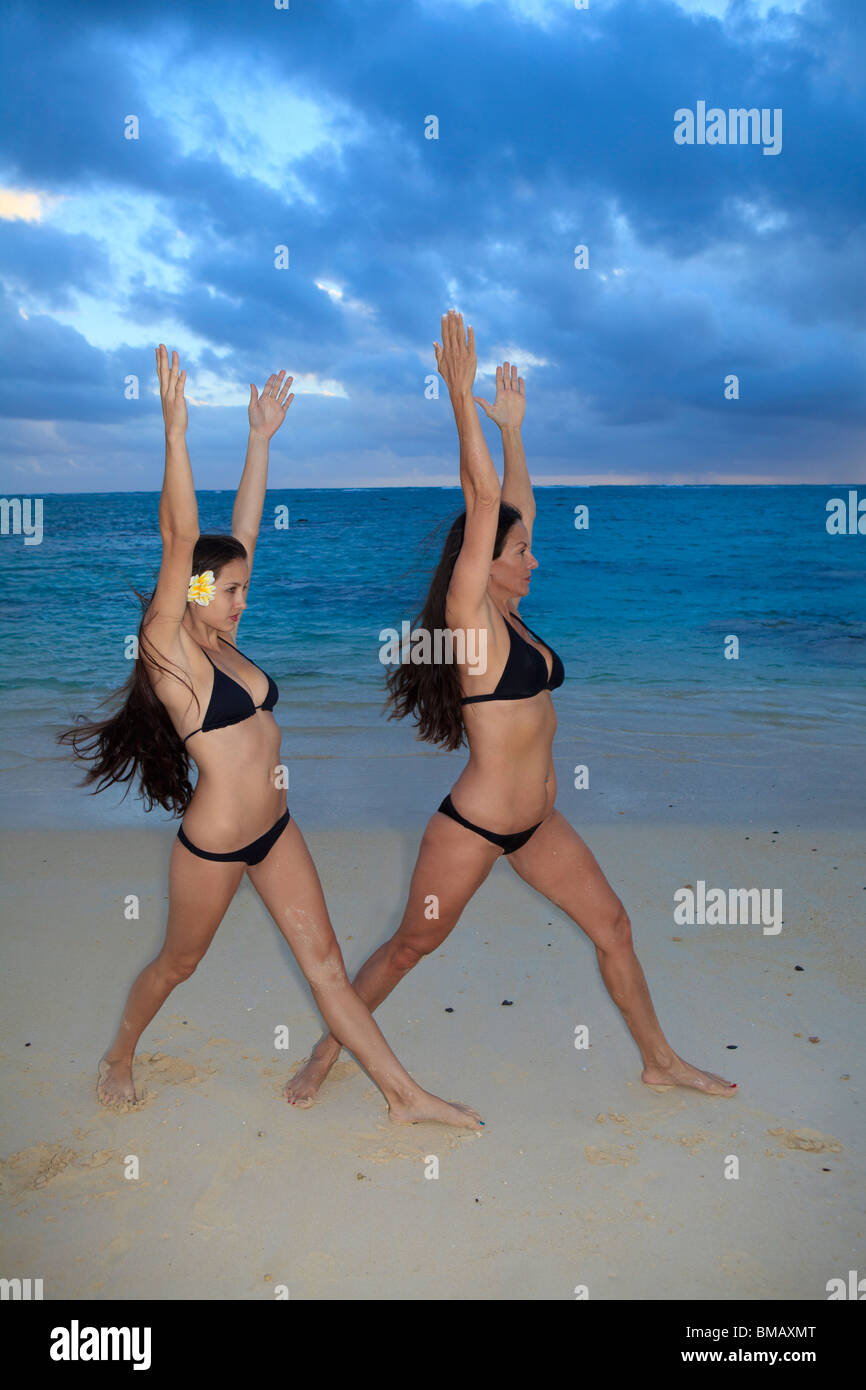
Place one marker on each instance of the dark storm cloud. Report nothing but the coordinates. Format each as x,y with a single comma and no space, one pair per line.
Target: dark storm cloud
734,261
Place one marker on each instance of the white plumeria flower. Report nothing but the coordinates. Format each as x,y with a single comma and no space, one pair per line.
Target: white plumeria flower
201,589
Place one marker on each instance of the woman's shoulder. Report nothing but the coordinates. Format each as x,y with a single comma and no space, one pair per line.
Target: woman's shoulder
486,619
169,651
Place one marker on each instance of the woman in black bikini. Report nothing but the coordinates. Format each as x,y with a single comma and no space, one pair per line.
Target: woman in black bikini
188,654
503,801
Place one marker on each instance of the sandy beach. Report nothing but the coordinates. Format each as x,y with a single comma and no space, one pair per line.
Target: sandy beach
583,1176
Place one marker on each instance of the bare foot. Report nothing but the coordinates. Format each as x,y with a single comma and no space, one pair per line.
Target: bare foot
431,1108
114,1087
301,1089
680,1073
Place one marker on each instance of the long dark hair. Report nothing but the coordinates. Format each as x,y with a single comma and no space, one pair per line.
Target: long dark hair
139,738
431,693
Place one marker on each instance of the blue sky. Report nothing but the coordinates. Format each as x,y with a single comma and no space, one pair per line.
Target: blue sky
305,127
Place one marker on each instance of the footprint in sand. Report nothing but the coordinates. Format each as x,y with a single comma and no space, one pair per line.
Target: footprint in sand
416,1153
158,1068
172,1071
622,1156
809,1140
36,1167
216,1205
339,1071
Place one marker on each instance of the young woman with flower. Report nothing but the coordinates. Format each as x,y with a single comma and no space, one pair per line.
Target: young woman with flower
236,819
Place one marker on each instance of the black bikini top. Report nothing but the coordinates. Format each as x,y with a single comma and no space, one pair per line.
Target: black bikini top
525,670
229,702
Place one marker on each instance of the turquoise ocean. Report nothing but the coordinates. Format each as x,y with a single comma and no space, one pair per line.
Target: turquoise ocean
638,604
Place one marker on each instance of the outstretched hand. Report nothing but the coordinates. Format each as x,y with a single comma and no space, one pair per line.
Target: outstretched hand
510,404
455,356
171,384
268,410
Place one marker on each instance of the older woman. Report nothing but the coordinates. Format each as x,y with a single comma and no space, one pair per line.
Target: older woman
503,801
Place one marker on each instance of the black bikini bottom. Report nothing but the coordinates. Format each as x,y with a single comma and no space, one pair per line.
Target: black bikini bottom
509,843
253,853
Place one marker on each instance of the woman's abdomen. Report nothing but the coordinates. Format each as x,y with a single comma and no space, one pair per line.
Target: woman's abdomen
504,785
241,787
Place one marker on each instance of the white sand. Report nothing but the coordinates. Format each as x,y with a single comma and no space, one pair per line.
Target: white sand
583,1174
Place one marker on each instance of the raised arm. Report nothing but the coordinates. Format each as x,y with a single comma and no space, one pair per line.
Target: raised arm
178,509
507,411
267,412
478,479
178,515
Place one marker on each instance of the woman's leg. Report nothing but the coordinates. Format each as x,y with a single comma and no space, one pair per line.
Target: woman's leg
288,884
558,863
200,891
452,864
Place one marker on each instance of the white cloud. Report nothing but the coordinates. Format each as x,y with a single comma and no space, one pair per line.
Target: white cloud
252,122
337,295
26,204
546,13
514,356
760,218
718,8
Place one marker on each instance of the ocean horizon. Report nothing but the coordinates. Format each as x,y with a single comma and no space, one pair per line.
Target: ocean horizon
641,605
